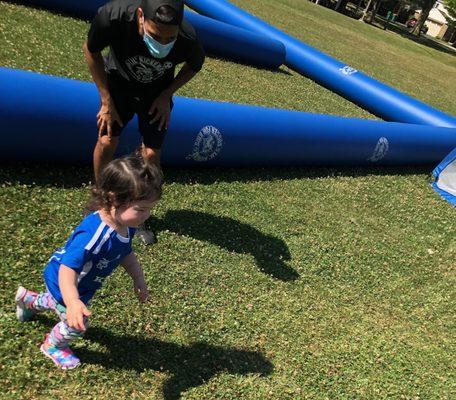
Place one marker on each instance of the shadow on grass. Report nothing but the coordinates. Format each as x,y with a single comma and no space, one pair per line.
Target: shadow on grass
189,366
279,70
270,252
66,176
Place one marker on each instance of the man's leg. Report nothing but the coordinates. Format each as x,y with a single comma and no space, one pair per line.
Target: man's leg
106,146
150,151
151,155
152,136
104,152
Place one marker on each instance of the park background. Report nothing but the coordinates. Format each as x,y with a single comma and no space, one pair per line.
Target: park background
266,282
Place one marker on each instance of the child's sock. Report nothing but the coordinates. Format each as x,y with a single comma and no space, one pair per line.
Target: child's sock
28,303
43,302
62,335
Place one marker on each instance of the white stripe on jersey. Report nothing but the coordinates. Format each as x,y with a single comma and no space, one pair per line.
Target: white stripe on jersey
95,237
103,241
85,270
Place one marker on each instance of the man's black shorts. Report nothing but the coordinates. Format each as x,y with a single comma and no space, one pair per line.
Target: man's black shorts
129,102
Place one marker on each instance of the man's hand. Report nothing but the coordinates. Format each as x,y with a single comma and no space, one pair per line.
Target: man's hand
161,109
76,311
106,118
141,290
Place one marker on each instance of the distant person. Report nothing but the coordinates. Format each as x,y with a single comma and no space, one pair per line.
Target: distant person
125,192
146,40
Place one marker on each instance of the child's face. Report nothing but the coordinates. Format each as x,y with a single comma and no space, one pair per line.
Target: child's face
135,213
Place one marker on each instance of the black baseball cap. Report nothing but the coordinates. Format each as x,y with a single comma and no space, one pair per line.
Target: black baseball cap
150,8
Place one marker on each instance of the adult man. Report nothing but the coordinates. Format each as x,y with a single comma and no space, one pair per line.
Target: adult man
146,40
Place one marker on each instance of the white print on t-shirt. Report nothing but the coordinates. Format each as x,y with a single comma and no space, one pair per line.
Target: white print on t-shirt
145,69
104,262
99,279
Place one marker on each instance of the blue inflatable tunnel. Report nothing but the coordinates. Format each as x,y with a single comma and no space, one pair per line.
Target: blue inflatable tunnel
44,118
374,96
237,44
219,39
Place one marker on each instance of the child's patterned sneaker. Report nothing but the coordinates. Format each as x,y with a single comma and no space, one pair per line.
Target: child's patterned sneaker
22,297
64,358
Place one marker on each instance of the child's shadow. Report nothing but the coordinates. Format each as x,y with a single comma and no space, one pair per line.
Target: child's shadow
270,252
189,366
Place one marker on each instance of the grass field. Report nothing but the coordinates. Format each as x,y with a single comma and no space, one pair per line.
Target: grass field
288,283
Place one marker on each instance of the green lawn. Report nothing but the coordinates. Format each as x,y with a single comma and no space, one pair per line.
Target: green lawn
285,283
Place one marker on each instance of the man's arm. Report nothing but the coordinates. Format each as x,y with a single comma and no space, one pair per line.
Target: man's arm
161,105
108,113
185,75
97,70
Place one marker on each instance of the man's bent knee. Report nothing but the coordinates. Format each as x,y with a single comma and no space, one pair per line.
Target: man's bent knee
151,155
108,143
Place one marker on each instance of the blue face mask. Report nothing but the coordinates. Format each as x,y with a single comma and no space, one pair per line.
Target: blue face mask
155,48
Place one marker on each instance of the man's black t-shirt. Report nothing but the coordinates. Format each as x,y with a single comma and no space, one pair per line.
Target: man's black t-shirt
116,26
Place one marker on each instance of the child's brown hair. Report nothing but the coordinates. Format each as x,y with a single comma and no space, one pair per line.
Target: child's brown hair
125,180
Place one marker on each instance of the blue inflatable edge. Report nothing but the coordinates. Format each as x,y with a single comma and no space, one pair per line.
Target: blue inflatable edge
436,173
444,163
445,195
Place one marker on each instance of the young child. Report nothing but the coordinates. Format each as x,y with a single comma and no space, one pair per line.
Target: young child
126,191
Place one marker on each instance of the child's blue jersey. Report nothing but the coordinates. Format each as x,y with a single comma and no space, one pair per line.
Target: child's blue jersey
93,250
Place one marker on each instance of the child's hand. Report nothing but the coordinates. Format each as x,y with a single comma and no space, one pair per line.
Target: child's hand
141,290
76,311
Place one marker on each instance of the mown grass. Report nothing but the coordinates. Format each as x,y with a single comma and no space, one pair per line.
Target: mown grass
266,283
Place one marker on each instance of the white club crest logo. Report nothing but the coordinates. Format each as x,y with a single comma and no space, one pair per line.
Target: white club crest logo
348,70
208,144
380,150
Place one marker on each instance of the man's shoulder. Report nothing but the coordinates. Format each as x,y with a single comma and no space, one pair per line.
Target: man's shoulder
187,31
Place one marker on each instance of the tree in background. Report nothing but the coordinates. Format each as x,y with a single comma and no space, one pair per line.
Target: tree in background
427,7
450,6
370,11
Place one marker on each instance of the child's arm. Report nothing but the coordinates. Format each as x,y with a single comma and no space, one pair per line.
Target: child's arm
131,265
76,309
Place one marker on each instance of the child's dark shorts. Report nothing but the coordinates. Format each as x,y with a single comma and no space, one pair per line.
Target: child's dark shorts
129,102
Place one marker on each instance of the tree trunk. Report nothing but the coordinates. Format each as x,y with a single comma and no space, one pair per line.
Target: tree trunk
427,7
357,6
341,5
369,16
374,10
398,7
366,11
